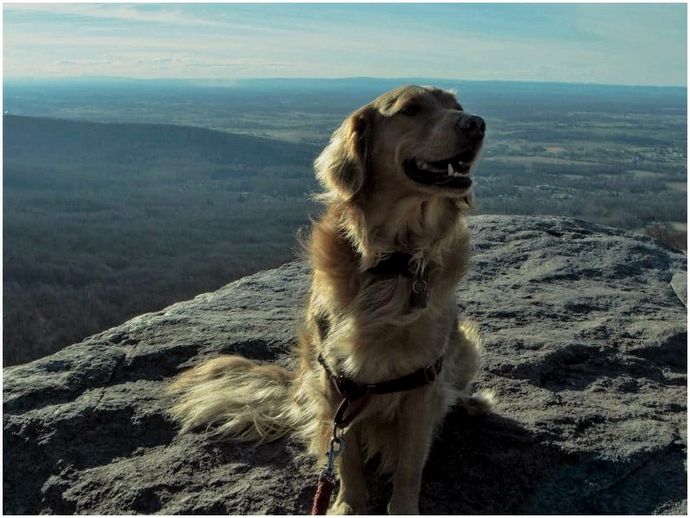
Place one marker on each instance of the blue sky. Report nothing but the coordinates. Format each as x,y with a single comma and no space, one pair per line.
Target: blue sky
643,44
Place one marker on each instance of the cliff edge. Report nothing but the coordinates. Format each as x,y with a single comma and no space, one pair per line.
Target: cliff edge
585,338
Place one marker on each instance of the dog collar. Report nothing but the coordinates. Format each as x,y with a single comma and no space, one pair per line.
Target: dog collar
399,263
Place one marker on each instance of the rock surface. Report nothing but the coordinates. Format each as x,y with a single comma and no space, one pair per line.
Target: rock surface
679,283
585,348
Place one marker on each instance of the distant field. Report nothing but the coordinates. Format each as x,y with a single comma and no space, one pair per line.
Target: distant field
103,222
509,159
106,221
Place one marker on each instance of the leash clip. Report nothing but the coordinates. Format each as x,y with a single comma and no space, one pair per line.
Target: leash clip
336,448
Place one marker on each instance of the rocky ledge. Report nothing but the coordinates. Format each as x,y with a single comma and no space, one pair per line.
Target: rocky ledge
585,347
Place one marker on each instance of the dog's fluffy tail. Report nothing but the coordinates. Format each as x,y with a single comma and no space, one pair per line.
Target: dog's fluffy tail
470,345
234,397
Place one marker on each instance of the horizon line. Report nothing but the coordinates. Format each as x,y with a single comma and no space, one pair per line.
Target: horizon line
320,78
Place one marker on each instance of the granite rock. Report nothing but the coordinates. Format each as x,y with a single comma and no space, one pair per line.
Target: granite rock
585,349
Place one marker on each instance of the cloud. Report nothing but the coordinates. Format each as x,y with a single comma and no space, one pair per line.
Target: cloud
132,16
113,12
160,66
590,43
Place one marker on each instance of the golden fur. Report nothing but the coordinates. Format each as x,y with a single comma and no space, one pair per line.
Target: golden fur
363,325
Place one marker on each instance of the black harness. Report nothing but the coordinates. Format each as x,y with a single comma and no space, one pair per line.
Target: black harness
356,395
399,263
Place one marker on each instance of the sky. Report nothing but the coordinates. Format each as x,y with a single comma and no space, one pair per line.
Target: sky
635,44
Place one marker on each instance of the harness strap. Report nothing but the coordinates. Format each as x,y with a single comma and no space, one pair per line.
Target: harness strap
356,396
419,378
397,263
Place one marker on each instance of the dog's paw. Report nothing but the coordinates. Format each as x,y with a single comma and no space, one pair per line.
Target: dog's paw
339,507
481,403
356,505
406,507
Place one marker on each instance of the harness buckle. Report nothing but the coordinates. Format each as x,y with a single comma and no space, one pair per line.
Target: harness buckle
339,417
348,409
349,389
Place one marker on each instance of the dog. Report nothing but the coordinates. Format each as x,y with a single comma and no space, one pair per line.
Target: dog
382,353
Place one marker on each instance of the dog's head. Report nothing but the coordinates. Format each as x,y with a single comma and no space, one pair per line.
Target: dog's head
413,140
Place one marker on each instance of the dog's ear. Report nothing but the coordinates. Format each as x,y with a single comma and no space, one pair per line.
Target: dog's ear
342,165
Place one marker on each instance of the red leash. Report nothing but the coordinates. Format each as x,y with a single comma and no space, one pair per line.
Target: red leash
324,488
322,498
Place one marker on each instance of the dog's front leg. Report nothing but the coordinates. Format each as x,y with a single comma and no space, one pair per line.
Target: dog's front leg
417,420
352,497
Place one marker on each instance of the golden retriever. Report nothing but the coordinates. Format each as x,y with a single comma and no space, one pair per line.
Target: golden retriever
397,180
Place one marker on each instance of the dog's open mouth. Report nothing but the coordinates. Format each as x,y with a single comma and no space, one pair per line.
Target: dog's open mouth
452,172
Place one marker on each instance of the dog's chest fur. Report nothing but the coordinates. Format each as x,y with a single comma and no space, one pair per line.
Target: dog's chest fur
364,324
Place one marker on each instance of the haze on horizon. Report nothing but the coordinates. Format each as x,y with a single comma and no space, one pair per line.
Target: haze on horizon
633,44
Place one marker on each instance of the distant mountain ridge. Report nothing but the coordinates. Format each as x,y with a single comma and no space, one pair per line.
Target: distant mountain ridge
310,82
45,139
126,99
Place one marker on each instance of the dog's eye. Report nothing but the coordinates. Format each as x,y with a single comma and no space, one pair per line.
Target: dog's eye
410,110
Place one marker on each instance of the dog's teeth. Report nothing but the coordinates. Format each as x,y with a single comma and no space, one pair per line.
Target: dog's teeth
450,170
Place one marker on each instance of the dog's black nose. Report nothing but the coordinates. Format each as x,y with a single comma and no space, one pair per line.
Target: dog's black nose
472,126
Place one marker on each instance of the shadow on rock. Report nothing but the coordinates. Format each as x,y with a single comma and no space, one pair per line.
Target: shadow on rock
494,465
